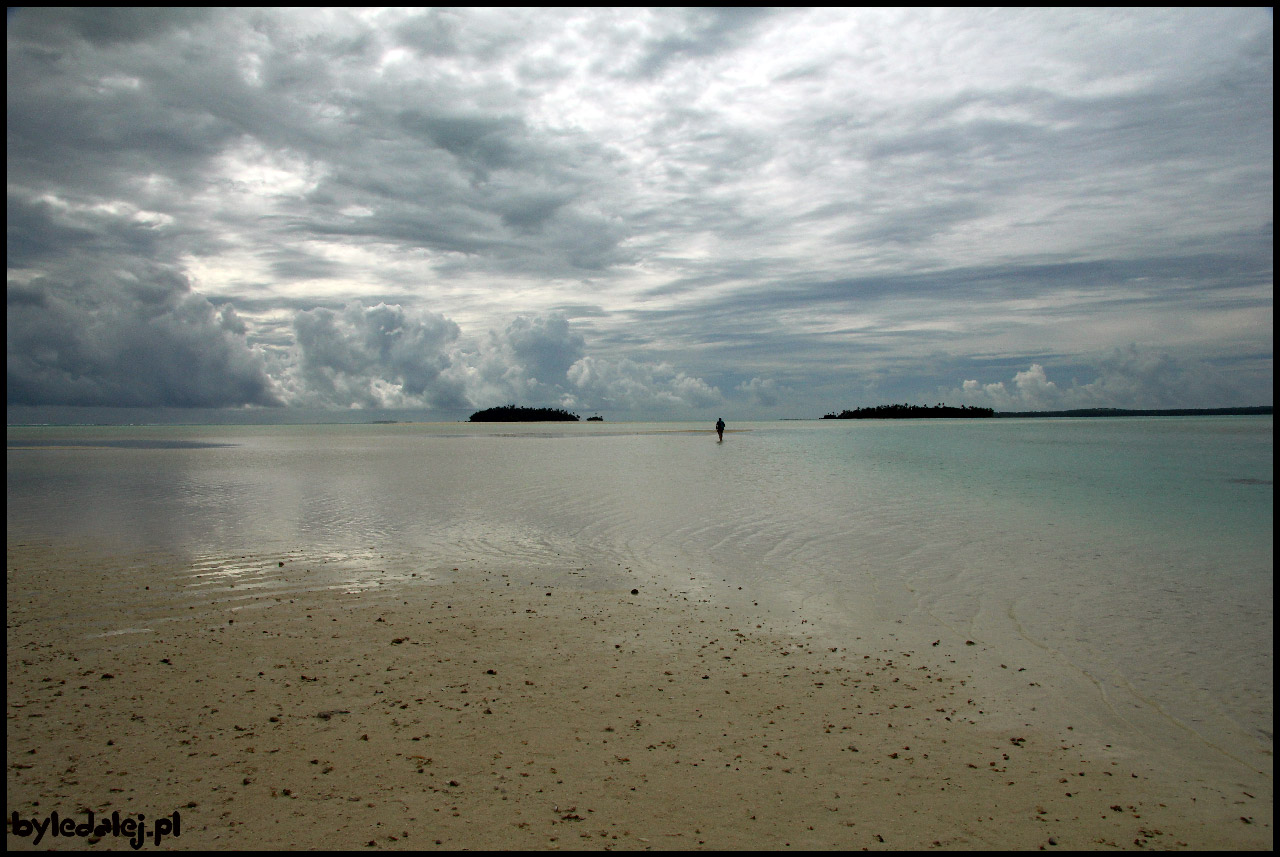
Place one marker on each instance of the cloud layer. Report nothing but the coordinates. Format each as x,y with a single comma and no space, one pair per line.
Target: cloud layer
1139,379
647,212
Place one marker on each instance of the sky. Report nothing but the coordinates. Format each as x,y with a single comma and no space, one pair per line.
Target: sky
637,213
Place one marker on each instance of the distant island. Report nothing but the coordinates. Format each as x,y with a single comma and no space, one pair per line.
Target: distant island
513,414
910,412
901,412
1259,410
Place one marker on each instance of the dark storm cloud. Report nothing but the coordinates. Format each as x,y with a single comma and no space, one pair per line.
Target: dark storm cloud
105,26
41,232
81,121
96,317
129,337
479,143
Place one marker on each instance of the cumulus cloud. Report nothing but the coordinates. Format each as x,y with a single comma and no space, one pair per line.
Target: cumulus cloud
389,357
525,362
630,386
543,359
1031,390
375,357
544,346
1151,379
761,391
1128,377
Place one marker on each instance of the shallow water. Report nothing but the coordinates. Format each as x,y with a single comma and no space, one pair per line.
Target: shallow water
1131,557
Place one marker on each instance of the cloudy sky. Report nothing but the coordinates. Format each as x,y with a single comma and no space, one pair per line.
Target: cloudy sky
641,213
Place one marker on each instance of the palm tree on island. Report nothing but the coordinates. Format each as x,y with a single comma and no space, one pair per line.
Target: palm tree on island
514,414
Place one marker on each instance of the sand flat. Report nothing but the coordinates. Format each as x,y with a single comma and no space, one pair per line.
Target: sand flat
501,710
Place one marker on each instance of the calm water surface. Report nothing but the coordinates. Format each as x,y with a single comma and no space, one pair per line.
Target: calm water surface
1133,556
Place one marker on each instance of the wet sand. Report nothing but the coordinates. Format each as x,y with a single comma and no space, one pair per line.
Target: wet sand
510,709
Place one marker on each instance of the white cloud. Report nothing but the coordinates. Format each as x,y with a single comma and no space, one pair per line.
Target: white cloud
630,386
761,391
524,363
1128,377
375,357
389,357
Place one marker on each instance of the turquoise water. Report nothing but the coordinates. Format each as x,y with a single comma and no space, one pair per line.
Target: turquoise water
1128,562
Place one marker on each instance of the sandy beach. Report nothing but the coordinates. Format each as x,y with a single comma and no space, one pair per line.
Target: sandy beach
504,709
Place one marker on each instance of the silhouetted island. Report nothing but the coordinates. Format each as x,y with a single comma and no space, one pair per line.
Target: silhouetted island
906,412
513,414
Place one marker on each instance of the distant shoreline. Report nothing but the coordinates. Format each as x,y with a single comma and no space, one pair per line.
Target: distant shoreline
916,412
1261,410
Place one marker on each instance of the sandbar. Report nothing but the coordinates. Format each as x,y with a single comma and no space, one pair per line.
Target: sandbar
489,708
